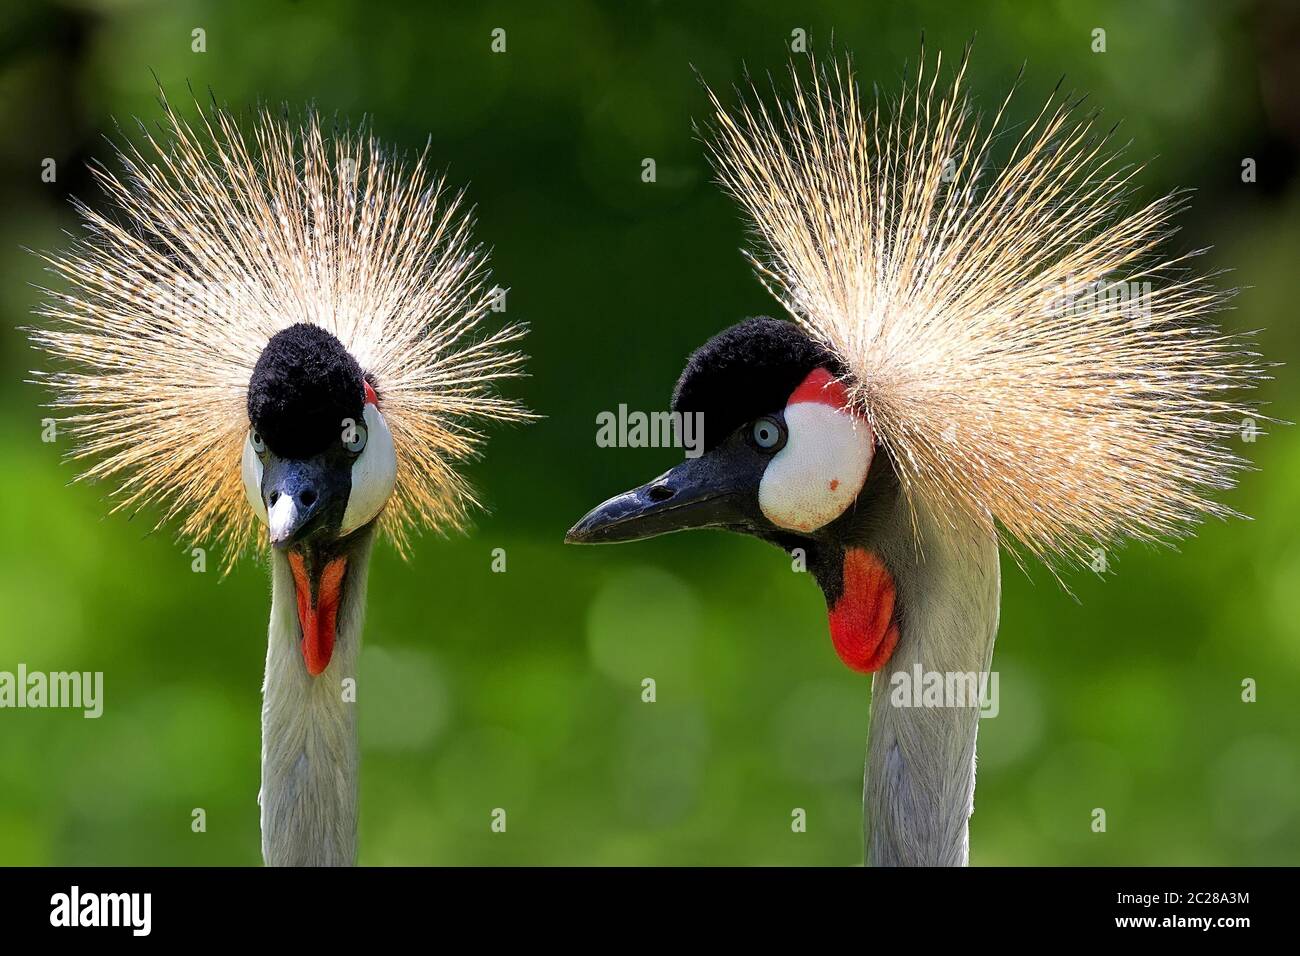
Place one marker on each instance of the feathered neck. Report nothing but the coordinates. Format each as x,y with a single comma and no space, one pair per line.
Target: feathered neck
310,754
920,774
942,588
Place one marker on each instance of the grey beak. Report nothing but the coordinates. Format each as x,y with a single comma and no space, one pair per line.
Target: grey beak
699,493
296,494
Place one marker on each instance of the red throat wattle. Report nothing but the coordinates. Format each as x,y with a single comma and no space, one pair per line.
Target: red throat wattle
863,628
317,612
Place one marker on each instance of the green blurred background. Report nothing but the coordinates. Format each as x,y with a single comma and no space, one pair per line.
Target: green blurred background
522,690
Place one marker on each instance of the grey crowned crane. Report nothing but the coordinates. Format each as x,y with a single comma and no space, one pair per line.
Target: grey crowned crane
965,368
276,337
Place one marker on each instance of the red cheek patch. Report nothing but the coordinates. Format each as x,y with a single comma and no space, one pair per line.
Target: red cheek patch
371,397
863,628
821,386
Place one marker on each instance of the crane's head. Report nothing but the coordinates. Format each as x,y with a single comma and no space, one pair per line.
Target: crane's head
1003,350
786,456
319,462
230,374
318,467
784,452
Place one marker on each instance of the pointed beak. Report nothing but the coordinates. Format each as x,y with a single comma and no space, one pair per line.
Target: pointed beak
283,519
305,501
298,495
704,492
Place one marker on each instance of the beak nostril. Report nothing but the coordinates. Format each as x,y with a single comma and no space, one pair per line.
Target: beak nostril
307,497
661,493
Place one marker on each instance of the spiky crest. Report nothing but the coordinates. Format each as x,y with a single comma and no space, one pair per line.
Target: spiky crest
216,239
957,295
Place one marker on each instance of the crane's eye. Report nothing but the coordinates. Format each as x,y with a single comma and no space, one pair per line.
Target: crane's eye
767,434
354,437
255,438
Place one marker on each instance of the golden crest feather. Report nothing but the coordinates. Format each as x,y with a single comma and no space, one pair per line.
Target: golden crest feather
1021,348
215,240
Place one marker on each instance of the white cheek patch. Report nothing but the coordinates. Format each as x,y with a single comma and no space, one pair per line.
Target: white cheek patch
252,472
817,475
374,473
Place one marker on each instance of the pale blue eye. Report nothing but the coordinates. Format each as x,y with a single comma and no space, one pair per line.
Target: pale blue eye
767,433
255,439
357,434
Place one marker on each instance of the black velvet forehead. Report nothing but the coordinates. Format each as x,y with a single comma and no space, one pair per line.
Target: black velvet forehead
746,371
304,385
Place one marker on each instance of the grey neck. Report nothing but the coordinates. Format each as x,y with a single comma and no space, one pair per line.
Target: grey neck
920,773
309,732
